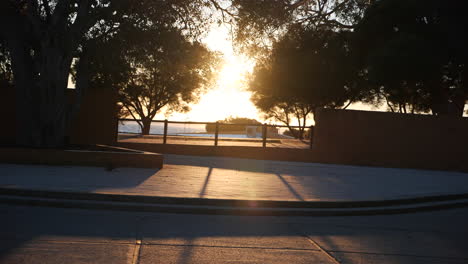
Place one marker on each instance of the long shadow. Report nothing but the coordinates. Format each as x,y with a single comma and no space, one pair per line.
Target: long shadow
205,184
299,171
81,179
290,188
185,256
219,162
21,225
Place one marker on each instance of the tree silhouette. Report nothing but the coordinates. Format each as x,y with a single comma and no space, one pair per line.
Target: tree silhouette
171,73
258,24
415,56
153,69
306,70
43,38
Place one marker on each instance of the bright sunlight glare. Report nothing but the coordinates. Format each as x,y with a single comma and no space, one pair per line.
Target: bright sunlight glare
229,96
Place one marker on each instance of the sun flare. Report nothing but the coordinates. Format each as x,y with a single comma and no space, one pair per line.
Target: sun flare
233,71
229,96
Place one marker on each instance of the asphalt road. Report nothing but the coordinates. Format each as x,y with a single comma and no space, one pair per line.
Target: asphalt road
55,235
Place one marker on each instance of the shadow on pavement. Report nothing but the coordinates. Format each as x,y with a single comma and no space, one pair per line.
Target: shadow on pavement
414,238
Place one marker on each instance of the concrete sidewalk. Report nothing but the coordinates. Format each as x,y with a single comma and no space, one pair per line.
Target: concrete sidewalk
240,179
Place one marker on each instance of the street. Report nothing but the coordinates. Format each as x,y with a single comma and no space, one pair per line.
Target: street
57,235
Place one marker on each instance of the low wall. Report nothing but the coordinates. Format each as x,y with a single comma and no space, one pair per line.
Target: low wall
281,154
360,138
110,158
96,122
391,140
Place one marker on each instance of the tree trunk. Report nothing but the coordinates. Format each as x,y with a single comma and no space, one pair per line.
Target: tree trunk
41,102
293,132
301,132
146,126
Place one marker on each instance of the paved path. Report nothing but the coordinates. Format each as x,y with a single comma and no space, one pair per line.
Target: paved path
56,235
180,140
232,178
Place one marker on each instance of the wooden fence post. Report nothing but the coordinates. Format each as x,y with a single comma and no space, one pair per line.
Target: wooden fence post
311,129
216,133
165,132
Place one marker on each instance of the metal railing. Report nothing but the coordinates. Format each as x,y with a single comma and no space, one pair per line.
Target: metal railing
217,125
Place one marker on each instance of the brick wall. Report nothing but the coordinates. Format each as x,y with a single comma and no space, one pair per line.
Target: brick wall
391,140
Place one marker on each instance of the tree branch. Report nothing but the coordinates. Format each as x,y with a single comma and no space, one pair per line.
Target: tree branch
133,116
45,4
347,105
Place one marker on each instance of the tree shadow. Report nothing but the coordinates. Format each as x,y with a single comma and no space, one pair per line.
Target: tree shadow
205,184
70,178
290,188
378,234
314,181
218,162
186,256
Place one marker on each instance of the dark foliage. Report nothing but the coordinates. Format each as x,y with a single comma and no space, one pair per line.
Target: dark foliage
238,124
414,54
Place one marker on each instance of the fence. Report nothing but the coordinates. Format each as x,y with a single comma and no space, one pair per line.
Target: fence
217,134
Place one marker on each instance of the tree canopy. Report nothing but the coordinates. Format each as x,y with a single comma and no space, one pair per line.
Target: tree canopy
154,69
410,54
257,24
307,69
43,38
414,54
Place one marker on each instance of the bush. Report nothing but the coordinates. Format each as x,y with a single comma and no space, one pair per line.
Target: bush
239,124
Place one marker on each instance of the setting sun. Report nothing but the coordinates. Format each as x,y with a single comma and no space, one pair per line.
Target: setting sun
229,96
233,70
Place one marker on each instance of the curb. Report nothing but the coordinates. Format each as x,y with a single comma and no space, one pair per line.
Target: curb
98,201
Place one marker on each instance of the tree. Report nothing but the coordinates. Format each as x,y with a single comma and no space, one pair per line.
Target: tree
237,124
307,69
168,71
258,24
44,36
262,27
152,69
414,55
